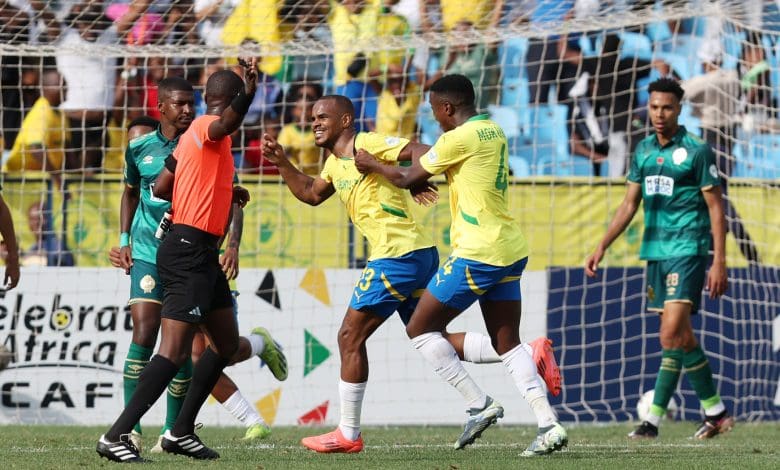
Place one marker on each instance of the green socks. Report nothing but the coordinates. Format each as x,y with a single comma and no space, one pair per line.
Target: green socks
697,369
177,390
137,358
666,381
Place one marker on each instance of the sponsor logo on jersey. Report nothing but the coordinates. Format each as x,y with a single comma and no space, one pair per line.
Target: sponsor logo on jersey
432,156
392,141
659,161
147,160
679,156
659,184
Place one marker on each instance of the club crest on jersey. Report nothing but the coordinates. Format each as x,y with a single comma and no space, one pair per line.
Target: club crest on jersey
147,160
714,171
679,156
147,284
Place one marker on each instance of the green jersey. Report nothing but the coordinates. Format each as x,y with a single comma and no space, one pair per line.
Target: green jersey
144,160
677,221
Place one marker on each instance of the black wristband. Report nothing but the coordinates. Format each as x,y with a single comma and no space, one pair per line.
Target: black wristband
241,102
170,163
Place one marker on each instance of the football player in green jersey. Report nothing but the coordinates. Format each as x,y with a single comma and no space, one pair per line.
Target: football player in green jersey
675,175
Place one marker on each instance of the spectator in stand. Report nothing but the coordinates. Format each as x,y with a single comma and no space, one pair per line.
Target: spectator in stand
755,76
211,16
478,62
40,144
479,13
713,97
389,24
48,249
362,93
297,137
351,22
14,29
257,21
398,104
91,77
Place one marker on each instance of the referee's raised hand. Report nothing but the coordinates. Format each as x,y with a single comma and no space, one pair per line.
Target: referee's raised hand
250,74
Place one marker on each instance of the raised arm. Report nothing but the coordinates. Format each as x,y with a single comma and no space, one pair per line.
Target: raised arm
403,177
717,281
625,212
230,119
412,151
312,191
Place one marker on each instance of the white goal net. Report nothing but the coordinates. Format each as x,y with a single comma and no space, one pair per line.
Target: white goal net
566,79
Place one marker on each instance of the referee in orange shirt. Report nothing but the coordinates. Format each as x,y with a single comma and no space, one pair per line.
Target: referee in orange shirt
196,290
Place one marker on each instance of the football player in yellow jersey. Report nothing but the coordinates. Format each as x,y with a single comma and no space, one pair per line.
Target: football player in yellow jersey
489,251
402,259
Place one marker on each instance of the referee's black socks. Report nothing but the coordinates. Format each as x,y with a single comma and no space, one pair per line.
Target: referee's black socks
151,384
204,376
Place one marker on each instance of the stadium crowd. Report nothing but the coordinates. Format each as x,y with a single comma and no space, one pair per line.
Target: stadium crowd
589,89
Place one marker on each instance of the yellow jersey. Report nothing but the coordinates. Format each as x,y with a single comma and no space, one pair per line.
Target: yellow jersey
43,127
377,208
478,12
395,119
473,157
300,146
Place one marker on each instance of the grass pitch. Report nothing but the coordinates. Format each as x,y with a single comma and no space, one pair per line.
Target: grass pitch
590,447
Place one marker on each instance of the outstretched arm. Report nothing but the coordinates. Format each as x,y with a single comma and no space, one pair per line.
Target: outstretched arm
231,117
620,221
403,177
312,191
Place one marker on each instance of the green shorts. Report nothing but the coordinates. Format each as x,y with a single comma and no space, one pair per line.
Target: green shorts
675,280
145,285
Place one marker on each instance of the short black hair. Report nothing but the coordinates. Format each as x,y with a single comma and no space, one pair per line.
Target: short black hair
224,84
343,104
170,84
667,85
457,88
146,121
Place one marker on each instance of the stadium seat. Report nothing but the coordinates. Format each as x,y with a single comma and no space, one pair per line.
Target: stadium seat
512,54
659,31
507,118
762,159
547,131
681,65
515,93
732,47
428,126
635,45
692,123
519,166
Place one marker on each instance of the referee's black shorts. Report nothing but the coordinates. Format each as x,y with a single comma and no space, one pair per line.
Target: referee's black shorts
192,278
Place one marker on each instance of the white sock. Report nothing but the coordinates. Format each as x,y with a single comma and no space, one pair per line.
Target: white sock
521,367
478,349
715,410
530,352
257,343
653,419
442,356
351,405
243,411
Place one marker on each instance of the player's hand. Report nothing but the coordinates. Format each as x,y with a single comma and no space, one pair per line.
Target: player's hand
425,194
11,278
240,196
126,258
113,257
365,162
592,262
717,280
250,74
229,263
273,150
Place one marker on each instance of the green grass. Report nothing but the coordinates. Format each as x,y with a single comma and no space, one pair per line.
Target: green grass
597,447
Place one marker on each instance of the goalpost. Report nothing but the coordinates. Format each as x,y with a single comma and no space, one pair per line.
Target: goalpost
569,135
